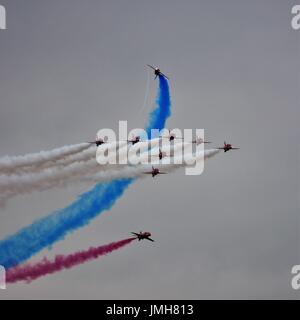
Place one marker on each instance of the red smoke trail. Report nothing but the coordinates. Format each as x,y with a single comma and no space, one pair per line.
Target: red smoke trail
29,272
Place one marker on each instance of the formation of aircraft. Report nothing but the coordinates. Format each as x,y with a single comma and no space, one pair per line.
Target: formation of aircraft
157,72
143,236
99,142
227,147
155,172
134,140
172,137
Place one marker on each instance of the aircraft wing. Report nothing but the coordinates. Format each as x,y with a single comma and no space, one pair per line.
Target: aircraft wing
151,66
150,239
135,234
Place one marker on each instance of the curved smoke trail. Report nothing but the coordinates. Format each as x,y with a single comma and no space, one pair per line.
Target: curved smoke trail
30,272
159,115
43,233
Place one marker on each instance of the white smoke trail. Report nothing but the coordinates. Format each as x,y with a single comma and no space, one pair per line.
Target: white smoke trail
84,156
51,177
39,162
81,171
15,164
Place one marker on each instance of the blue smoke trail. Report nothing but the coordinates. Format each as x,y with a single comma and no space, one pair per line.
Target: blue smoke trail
43,233
158,117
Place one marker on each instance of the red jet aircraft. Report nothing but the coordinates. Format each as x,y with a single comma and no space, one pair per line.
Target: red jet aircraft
155,172
143,236
227,147
98,142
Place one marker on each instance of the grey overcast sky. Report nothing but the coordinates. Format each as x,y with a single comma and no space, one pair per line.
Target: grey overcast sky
70,67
